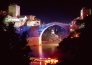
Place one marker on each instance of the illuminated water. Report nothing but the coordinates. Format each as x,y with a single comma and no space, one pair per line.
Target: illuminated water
44,50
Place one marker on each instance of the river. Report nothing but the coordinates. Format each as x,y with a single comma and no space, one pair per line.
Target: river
46,50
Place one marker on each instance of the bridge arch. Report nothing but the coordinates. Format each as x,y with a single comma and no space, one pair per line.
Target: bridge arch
65,26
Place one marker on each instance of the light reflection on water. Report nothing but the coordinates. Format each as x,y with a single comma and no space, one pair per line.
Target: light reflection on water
44,50
40,51
38,63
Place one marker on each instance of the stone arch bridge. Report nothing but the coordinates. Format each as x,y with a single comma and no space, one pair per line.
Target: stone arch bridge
35,32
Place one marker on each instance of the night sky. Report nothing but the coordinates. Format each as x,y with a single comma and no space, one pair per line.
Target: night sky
49,10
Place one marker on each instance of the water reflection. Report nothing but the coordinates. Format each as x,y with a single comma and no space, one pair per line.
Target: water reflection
44,50
38,63
40,52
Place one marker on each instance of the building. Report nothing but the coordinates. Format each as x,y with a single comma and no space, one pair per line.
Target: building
14,10
14,16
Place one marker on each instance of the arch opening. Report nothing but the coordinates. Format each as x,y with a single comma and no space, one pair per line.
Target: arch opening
52,34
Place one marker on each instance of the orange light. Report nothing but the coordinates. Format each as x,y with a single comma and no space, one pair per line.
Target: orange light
56,61
51,61
46,61
49,58
76,35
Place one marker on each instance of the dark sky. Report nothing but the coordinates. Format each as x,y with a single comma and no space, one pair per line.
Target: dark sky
49,10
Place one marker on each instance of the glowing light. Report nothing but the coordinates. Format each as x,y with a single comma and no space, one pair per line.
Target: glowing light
51,61
40,52
40,41
49,58
76,34
56,61
33,23
71,30
40,63
71,37
11,20
46,61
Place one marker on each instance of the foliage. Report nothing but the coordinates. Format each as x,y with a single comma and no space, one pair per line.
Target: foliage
77,50
13,46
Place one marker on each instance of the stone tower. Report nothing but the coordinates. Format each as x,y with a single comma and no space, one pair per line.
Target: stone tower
14,9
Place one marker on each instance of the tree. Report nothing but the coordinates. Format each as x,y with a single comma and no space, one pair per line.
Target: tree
13,46
77,50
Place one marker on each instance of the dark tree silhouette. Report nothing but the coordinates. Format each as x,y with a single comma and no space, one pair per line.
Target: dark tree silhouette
14,49
77,50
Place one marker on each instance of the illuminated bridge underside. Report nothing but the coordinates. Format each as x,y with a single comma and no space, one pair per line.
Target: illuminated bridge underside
35,32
